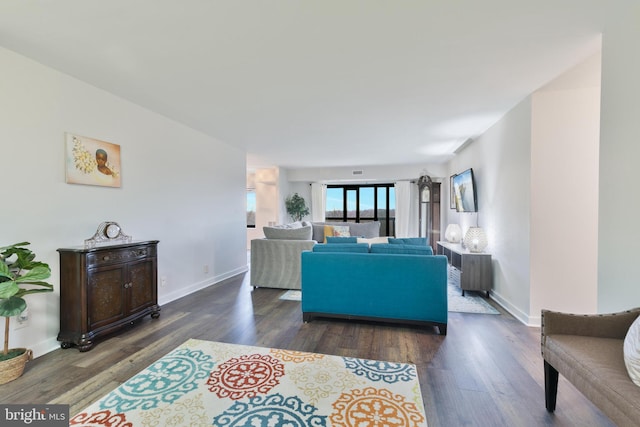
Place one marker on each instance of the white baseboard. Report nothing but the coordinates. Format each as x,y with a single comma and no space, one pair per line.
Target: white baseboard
515,311
172,296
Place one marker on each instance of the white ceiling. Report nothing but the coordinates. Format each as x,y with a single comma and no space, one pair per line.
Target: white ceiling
313,83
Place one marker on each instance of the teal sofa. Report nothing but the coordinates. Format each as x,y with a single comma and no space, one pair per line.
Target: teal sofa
372,284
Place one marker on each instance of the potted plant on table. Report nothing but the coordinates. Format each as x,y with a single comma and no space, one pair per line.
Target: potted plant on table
296,207
18,267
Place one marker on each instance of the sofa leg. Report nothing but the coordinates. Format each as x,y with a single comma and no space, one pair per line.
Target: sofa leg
550,386
442,329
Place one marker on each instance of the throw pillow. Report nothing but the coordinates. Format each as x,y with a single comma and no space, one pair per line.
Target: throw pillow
631,351
341,231
328,231
302,233
335,231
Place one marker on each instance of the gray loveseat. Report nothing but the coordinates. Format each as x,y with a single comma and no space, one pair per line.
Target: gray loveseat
275,260
587,351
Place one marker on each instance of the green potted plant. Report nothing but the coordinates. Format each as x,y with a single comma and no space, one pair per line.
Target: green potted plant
18,267
296,207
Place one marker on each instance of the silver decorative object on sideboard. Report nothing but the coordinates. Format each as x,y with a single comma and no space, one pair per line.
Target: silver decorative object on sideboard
107,232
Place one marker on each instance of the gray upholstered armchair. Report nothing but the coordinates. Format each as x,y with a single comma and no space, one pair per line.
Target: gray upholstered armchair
588,351
275,261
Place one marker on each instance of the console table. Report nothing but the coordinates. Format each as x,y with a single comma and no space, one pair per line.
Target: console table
471,271
105,288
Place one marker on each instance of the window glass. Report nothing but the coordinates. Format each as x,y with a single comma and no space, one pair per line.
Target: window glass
382,202
367,203
251,209
364,203
335,203
351,204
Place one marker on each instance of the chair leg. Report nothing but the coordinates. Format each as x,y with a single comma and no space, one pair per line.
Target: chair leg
550,386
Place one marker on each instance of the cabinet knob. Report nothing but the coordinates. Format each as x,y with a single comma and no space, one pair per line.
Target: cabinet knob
128,285
105,258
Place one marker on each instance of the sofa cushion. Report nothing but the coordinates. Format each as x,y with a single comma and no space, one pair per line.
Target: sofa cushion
365,229
632,351
359,229
596,367
279,232
389,248
345,247
340,239
416,241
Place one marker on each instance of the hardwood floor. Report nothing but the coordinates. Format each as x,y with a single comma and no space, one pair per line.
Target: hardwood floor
486,372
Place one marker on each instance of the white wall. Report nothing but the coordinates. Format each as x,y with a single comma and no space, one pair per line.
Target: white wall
537,177
619,234
501,162
564,177
178,186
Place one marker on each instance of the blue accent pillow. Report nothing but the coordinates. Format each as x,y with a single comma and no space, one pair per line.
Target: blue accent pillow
415,241
344,247
391,248
335,239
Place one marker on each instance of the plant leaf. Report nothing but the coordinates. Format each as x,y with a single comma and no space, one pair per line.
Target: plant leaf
4,270
4,248
38,273
12,306
48,288
8,289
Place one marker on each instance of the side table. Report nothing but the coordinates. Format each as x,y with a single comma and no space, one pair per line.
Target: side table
471,271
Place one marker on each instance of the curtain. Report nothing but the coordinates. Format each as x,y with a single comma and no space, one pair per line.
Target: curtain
318,201
406,209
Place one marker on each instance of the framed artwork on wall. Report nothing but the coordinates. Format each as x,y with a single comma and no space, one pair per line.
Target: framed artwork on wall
452,193
91,161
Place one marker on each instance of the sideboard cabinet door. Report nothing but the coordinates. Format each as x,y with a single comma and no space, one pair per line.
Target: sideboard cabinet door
105,296
104,289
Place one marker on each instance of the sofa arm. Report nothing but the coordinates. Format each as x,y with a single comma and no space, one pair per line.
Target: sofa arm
610,325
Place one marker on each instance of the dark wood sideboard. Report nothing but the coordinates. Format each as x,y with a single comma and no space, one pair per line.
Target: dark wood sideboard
105,288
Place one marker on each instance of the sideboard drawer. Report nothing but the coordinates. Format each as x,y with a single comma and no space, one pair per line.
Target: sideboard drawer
120,255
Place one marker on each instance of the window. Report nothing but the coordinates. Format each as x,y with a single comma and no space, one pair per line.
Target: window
251,208
363,203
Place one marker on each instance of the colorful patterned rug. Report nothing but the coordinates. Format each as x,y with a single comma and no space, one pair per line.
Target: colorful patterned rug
204,383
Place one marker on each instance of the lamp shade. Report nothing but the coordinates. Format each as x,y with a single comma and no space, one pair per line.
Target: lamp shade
475,240
453,233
